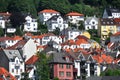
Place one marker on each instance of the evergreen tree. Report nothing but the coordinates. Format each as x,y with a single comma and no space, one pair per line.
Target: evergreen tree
42,67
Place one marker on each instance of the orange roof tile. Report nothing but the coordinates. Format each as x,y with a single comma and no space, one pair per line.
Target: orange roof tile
32,60
80,41
74,14
4,72
103,58
117,19
48,11
116,34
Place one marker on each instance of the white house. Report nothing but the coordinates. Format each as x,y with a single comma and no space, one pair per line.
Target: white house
56,22
46,14
91,23
111,13
71,33
12,61
75,17
30,67
31,24
9,41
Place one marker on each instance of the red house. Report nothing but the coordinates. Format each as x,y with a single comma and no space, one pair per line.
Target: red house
61,67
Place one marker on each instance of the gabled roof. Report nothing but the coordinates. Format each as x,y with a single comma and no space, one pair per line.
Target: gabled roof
112,10
74,14
48,11
32,60
59,57
88,19
4,72
19,44
12,54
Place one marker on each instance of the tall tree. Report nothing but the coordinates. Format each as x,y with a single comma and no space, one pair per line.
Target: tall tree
3,5
42,67
17,19
62,6
23,6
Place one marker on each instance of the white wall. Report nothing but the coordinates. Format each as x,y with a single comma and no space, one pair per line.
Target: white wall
29,49
16,71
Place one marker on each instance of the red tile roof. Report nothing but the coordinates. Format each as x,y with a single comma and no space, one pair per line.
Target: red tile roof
117,19
74,14
32,60
5,14
43,35
20,43
48,11
4,72
116,34
103,58
10,38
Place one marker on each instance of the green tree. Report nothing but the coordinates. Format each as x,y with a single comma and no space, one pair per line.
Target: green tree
56,31
1,32
23,6
3,5
25,76
42,67
17,19
111,72
62,6
19,32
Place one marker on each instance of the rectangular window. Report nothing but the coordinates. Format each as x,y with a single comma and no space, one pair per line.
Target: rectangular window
20,70
12,70
68,66
61,66
28,24
68,74
61,73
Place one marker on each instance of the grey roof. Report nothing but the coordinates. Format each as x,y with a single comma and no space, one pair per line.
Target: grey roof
59,57
88,19
112,10
11,54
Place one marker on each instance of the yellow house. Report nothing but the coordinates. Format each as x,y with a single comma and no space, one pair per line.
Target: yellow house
106,27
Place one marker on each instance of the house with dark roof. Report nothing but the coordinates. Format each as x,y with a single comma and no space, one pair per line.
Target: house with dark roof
61,66
46,14
106,27
12,61
111,13
56,21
